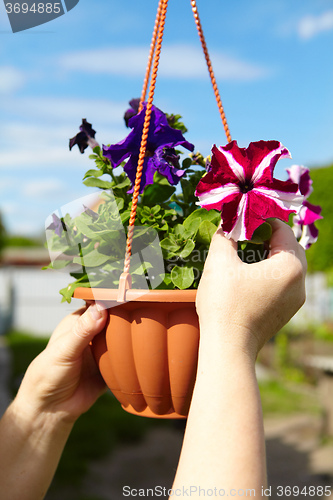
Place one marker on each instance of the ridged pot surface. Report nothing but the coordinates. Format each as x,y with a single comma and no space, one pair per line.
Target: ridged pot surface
149,351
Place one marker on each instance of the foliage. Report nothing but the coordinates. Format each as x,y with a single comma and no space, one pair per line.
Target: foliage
92,245
2,234
278,398
319,256
285,363
322,332
24,348
22,241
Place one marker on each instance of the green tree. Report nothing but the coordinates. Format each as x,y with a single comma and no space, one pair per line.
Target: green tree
320,255
2,234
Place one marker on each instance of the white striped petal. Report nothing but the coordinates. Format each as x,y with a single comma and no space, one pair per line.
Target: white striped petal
238,231
237,169
288,201
257,174
217,194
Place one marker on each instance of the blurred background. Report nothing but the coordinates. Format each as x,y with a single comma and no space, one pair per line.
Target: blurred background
274,68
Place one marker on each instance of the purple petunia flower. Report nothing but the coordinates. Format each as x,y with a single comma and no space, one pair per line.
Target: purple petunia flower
240,184
304,228
85,138
58,226
301,176
303,223
160,153
132,111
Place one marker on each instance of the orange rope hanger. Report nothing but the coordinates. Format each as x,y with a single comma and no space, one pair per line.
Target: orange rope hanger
151,71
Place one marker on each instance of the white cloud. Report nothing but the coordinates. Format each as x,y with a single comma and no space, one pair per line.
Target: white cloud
177,61
39,135
37,158
7,183
69,110
310,26
11,79
43,188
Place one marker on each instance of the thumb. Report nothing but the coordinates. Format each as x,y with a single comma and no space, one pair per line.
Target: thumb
87,325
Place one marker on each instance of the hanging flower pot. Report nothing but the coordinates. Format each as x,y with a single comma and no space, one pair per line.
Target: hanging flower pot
148,354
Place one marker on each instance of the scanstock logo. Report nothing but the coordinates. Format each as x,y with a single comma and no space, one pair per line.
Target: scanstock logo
25,14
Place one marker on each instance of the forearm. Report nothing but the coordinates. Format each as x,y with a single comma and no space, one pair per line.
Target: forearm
224,444
31,447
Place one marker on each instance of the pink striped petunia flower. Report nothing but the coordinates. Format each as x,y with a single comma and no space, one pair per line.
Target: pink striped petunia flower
303,223
240,184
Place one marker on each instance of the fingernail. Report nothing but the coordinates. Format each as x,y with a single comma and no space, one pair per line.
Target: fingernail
95,312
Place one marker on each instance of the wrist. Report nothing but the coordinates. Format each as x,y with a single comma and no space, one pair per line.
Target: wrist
39,423
228,343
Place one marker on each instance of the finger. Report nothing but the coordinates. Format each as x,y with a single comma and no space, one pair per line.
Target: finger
89,324
221,250
283,240
284,245
75,334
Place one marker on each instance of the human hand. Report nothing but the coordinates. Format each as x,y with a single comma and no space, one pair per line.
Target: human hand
247,304
64,379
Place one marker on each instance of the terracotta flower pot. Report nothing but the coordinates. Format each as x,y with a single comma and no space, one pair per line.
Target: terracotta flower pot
149,351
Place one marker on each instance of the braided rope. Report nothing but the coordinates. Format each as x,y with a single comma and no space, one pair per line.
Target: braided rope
163,4
210,69
150,57
152,67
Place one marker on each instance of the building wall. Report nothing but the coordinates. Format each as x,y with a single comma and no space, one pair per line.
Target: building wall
30,299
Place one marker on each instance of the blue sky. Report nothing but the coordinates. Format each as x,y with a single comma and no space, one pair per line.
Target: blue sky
273,63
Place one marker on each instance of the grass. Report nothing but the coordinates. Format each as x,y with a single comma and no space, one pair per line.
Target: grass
281,398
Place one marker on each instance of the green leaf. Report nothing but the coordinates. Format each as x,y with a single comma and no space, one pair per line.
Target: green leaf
192,225
124,184
100,163
93,182
188,192
120,203
262,233
179,231
124,217
58,264
187,250
170,244
166,283
92,259
67,292
157,193
205,232
84,228
187,163
182,277
93,173
210,215
169,213
141,268
155,209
